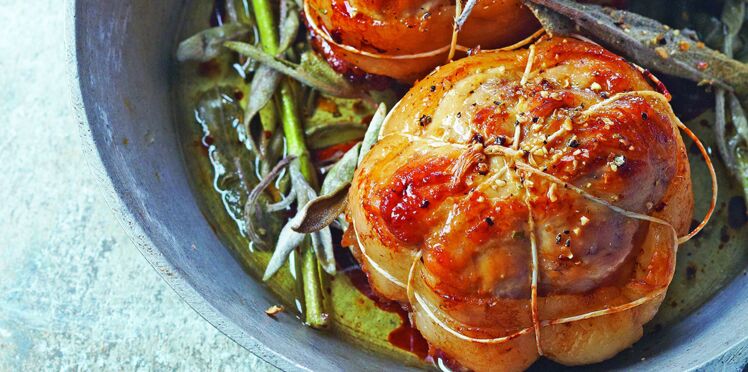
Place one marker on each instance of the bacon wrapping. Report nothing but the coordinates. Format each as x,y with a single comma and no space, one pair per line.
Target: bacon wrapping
526,203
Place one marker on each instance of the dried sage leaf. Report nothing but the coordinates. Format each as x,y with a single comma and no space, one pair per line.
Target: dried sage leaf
219,116
288,240
208,44
323,136
312,64
308,73
553,22
372,133
738,116
231,12
732,147
654,45
264,84
331,120
304,191
735,151
322,211
733,15
283,204
742,174
251,211
342,172
720,131
323,247
289,26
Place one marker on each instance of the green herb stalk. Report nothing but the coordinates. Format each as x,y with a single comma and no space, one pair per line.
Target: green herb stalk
294,132
268,39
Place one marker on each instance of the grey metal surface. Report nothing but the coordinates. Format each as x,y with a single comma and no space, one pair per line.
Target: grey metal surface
74,294
123,58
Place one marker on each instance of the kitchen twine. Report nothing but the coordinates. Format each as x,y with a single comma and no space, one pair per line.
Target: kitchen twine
510,154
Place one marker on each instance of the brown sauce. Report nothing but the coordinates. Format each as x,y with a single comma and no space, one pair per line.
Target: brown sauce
406,336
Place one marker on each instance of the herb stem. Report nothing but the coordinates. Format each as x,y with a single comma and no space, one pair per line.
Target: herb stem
269,121
316,317
294,132
268,34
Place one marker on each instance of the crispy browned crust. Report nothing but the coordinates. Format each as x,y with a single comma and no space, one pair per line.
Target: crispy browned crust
421,232
399,28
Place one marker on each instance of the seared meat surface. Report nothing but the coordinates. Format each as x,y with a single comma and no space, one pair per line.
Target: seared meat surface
511,189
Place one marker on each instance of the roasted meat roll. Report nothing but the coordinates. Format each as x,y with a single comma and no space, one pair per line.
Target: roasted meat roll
525,203
404,40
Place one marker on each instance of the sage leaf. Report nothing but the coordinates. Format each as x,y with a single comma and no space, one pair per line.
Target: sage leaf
323,136
460,21
342,172
321,238
208,44
314,65
304,191
219,117
288,240
742,175
732,150
283,204
306,75
738,116
323,247
372,133
331,120
231,12
289,26
269,138
251,211
733,15
264,84
654,45
720,131
320,212
553,23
